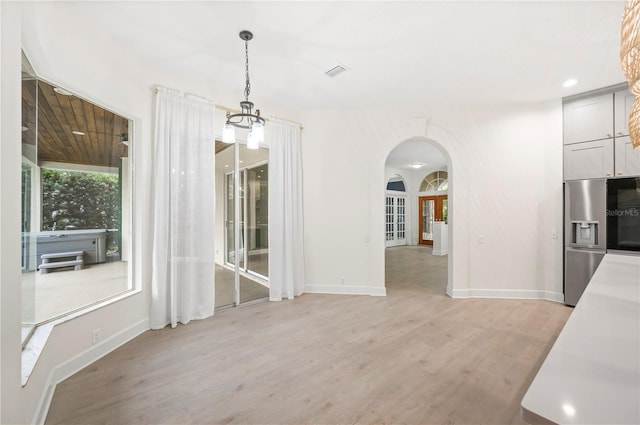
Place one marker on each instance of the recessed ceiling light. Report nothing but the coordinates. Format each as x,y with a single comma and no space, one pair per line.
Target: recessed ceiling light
568,409
78,133
416,165
570,82
62,91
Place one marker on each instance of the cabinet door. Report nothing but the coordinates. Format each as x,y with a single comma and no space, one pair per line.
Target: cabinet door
623,102
588,160
588,119
627,159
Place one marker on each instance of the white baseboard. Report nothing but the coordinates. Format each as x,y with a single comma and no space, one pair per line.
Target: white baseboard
523,294
346,290
458,293
554,296
82,360
520,294
439,252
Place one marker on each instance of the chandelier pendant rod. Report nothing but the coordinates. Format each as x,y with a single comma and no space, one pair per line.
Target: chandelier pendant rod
247,83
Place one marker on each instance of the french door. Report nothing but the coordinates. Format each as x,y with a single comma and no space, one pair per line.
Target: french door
431,209
395,221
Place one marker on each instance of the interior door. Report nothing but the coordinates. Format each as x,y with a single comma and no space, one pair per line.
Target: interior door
431,209
395,225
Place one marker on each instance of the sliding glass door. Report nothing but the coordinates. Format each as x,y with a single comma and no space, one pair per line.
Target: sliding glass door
256,220
252,249
246,226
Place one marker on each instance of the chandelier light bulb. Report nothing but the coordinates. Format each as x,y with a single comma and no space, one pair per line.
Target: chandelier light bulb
228,133
252,141
258,131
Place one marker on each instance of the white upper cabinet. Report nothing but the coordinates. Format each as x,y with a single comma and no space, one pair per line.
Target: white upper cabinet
623,102
588,160
589,118
596,135
627,159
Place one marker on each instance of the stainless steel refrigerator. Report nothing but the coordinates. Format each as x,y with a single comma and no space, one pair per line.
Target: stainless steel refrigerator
585,238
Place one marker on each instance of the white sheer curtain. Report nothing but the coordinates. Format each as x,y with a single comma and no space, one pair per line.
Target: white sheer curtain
182,281
286,227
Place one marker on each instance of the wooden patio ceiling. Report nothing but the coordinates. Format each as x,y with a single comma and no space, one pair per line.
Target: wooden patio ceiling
59,116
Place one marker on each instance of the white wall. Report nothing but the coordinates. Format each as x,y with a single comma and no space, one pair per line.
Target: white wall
505,185
86,61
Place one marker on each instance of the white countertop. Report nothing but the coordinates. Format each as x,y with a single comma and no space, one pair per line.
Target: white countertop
592,373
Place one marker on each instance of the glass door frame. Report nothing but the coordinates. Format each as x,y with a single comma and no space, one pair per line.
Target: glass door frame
240,183
440,210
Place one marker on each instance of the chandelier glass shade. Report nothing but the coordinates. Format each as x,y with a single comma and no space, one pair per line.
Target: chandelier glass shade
246,118
630,61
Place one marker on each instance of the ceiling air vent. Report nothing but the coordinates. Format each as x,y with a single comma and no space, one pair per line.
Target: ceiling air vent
338,69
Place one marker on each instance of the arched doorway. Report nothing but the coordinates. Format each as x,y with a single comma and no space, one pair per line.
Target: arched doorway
425,169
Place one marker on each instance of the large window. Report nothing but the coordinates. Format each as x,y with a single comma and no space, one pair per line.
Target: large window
76,186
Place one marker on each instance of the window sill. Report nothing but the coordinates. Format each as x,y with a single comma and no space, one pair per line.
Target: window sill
34,347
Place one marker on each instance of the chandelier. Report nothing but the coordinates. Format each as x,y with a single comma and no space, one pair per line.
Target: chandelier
630,60
246,118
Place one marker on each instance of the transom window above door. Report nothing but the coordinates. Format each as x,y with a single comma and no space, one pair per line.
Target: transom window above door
436,181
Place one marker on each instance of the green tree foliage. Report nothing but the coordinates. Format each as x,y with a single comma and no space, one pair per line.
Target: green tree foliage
79,200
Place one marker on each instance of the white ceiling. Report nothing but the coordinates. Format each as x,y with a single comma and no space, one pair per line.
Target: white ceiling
413,151
399,54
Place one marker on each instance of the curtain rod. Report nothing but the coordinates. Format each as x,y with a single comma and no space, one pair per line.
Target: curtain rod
235,111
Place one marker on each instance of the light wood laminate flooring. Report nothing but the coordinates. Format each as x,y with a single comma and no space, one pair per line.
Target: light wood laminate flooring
414,356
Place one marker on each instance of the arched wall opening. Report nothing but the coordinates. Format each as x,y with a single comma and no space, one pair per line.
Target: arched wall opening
411,160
